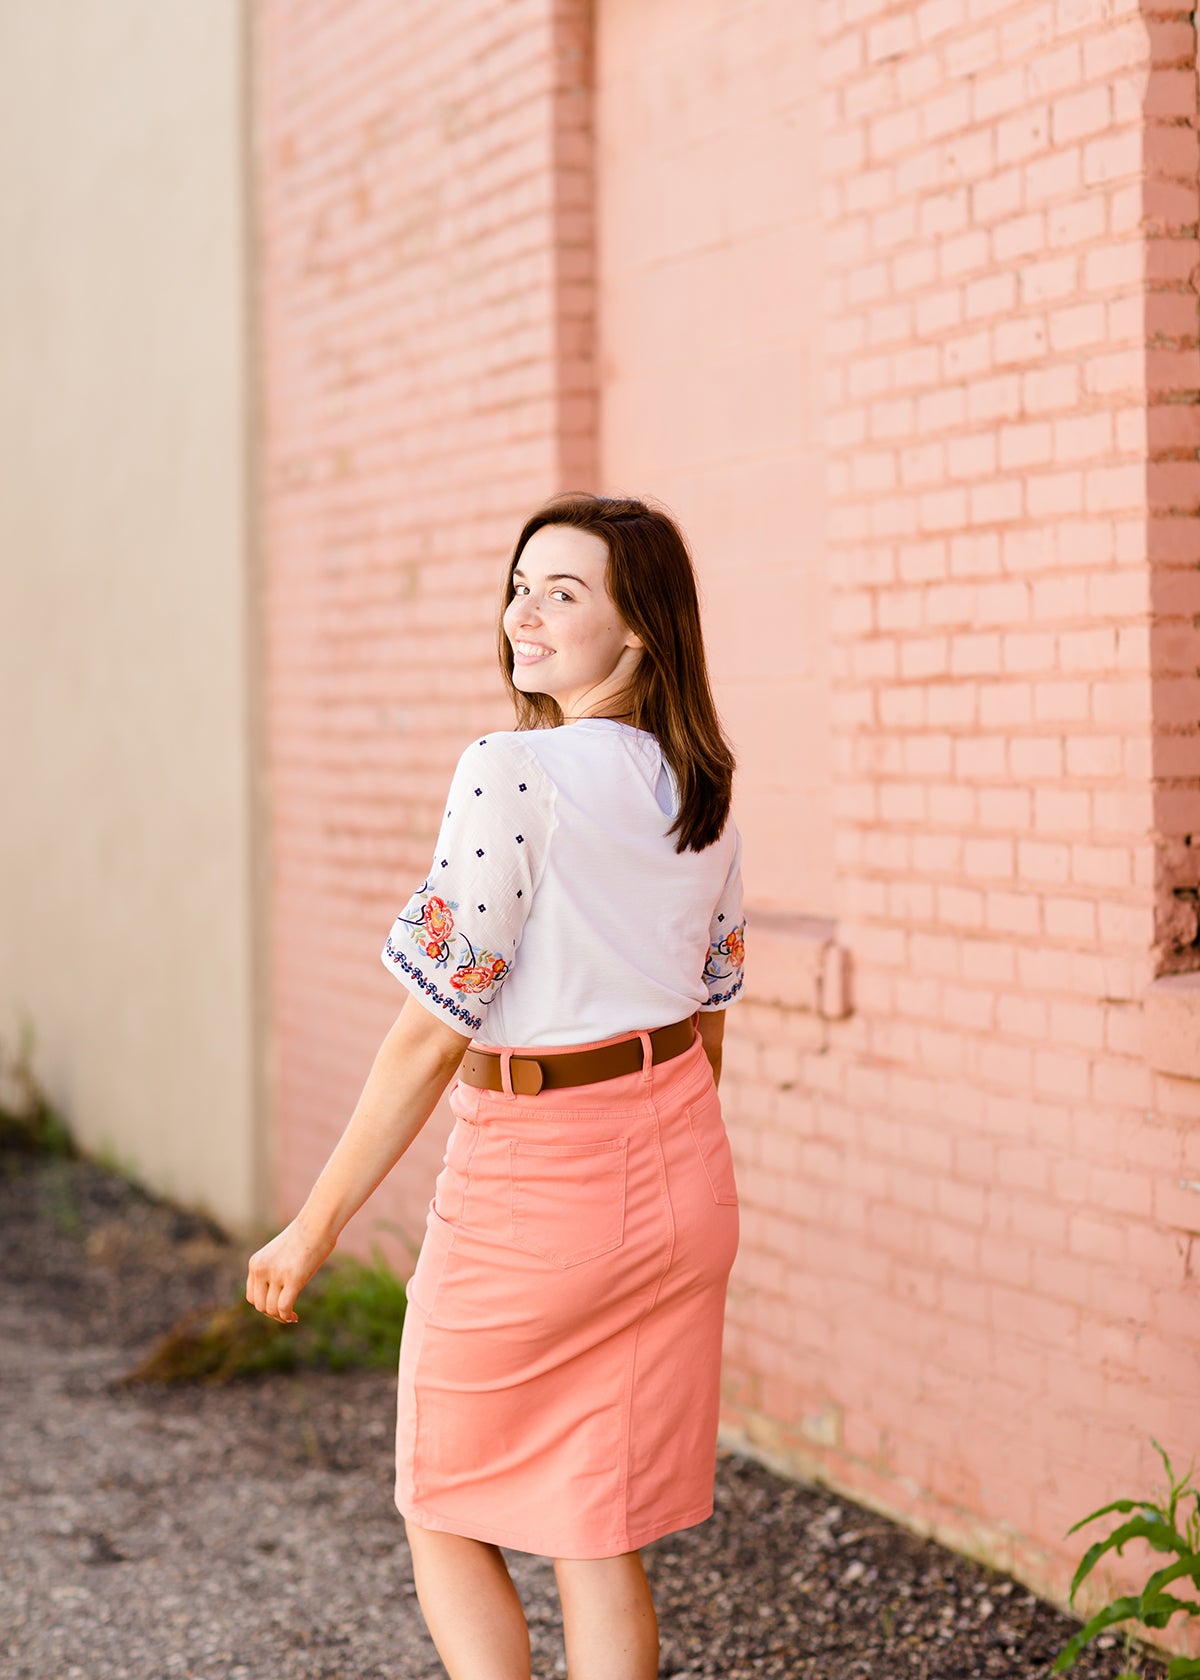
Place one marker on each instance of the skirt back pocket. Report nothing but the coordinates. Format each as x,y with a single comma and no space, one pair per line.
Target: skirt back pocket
568,1199
712,1146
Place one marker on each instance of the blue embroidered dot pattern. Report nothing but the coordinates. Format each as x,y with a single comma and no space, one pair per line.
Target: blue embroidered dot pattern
455,945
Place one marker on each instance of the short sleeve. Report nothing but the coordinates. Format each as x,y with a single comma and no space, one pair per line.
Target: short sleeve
723,967
454,944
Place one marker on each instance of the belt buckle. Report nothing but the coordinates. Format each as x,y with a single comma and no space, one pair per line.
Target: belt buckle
526,1075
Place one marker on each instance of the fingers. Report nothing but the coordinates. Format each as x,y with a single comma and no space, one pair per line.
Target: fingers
270,1290
280,1295
283,1306
256,1289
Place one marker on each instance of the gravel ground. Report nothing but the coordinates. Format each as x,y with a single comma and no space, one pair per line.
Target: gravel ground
246,1532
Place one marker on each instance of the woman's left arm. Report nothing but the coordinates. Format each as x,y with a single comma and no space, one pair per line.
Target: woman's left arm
411,1070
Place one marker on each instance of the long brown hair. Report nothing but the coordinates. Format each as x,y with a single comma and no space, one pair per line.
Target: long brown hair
652,582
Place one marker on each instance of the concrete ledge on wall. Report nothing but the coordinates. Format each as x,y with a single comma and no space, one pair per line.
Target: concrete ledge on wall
796,961
1171,1022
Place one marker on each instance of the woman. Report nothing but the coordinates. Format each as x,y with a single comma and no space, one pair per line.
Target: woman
582,918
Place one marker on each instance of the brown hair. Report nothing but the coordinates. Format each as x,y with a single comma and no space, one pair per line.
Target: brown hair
652,582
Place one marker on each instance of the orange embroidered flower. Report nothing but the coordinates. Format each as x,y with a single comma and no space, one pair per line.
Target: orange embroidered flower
736,947
440,925
438,920
479,978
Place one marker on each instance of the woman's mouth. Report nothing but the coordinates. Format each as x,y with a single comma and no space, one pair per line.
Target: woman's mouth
528,653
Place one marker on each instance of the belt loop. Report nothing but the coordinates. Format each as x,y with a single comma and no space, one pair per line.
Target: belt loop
506,1083
647,1057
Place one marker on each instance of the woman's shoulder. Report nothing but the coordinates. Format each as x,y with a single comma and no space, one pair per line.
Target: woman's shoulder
498,769
540,749
498,748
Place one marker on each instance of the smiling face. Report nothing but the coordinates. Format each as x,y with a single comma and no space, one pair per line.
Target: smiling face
567,638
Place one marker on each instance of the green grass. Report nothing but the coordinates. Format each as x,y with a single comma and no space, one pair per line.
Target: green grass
29,1122
351,1316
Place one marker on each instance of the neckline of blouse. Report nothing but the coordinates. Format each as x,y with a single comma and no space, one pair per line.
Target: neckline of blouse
612,723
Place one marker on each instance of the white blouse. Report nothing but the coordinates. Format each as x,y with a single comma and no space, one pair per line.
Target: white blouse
556,909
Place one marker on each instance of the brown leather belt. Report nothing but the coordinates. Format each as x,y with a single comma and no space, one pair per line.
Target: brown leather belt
531,1074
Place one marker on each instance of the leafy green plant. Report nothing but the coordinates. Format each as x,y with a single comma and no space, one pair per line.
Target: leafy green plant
1154,1606
351,1315
29,1122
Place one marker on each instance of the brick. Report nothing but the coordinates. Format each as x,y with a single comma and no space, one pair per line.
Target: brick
1171,93
1047,388
1025,445
1073,116
992,95
965,55
1052,494
1111,157
1069,921
1000,196
1028,1316
1084,437
1023,339
1012,913
963,253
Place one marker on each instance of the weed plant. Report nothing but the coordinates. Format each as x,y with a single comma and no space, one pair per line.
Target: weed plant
351,1316
1154,1606
29,1122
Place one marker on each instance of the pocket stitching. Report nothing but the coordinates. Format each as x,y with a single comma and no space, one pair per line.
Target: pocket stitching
722,1199
618,1147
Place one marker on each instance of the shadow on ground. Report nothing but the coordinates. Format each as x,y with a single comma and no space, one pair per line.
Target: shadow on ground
247,1530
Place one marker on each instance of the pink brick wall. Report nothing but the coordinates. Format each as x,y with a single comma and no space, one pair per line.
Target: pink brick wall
971,1294
968,1289
708,218
424,184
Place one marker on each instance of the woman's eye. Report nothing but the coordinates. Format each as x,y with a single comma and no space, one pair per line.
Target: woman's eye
523,589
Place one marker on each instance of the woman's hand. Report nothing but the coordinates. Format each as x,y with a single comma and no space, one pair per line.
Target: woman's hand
280,1269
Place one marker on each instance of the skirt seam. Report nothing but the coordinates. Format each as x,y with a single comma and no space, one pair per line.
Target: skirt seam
631,1367
425,1316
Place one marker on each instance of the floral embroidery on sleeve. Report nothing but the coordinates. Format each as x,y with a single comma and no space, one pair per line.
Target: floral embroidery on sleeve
724,963
455,940
432,928
438,924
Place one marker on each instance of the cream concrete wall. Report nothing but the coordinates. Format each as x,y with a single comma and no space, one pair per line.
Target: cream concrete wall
126,702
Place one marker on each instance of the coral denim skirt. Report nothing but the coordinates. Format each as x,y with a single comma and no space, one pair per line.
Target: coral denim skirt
560,1363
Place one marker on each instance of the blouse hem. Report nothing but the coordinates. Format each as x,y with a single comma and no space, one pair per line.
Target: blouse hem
414,979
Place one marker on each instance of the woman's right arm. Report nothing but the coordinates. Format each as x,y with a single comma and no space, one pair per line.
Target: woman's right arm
712,1033
411,1070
